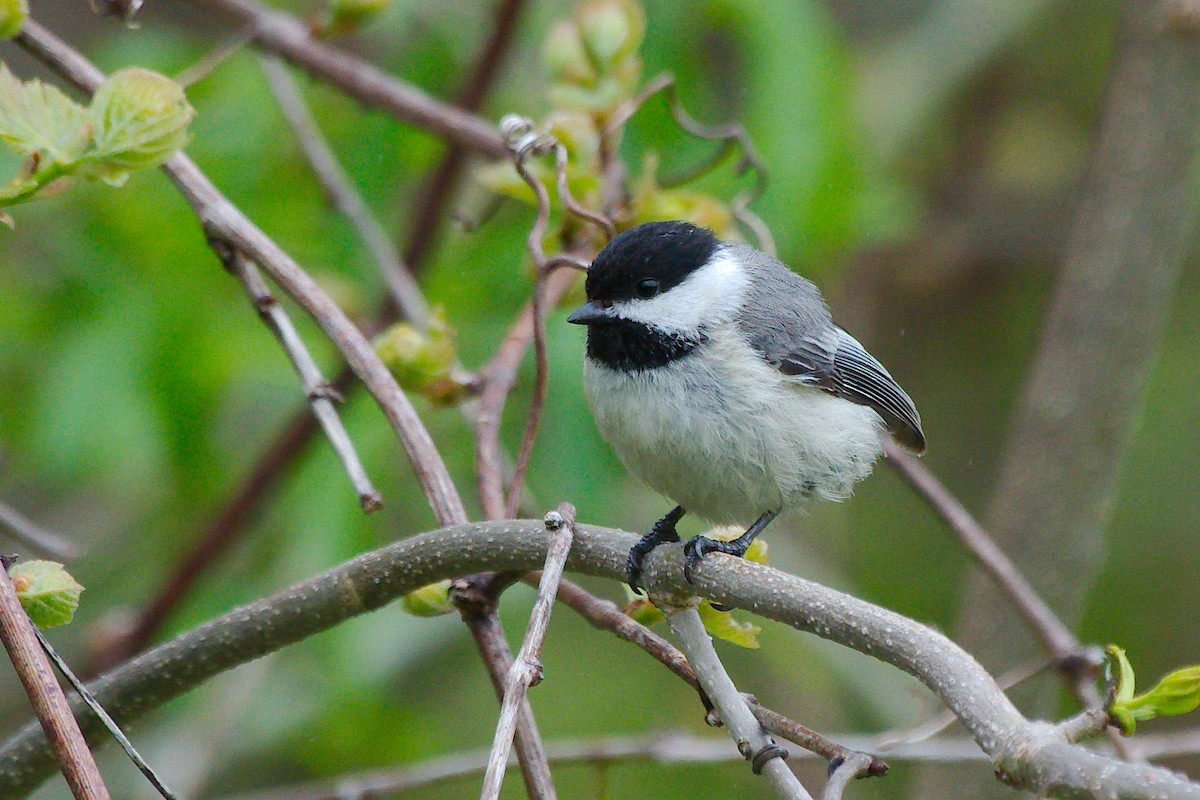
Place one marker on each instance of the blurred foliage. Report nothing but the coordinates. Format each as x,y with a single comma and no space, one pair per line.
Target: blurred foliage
139,386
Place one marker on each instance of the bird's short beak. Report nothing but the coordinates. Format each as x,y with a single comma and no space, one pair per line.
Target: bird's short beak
589,313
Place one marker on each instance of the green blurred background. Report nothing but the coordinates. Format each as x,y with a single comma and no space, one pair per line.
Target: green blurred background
922,171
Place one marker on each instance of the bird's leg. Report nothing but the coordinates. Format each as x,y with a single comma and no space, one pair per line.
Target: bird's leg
699,546
663,531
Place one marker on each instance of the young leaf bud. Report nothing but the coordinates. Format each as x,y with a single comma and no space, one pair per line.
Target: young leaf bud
566,58
423,362
429,601
47,592
12,17
139,119
611,30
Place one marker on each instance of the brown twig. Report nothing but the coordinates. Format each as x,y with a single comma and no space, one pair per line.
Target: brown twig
32,535
215,57
1060,643
498,377
321,395
476,598
290,38
232,517
342,194
526,670
53,712
228,232
523,142
729,136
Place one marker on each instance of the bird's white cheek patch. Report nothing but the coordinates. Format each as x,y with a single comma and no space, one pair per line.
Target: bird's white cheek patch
709,296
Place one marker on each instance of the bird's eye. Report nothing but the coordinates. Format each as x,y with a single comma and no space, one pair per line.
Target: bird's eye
647,288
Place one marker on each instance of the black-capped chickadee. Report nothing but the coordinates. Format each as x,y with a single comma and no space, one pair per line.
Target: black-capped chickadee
720,379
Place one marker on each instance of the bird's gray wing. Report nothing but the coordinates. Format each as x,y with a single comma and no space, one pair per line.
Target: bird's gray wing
837,363
785,319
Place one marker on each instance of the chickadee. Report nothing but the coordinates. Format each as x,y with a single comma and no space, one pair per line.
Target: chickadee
720,379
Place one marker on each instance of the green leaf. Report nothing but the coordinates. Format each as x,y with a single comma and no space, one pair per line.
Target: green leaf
47,592
1119,674
38,118
722,625
429,601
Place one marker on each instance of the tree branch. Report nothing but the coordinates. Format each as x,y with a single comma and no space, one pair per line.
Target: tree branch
290,38
321,395
526,670
228,232
53,712
343,195
1029,755
755,745
29,534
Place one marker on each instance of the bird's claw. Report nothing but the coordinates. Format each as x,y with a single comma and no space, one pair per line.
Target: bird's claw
694,551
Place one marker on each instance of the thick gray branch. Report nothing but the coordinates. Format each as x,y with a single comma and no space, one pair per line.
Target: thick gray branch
1027,754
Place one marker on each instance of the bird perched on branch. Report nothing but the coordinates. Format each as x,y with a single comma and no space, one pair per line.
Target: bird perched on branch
720,379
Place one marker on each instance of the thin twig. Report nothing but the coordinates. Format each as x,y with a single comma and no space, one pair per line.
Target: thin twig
524,142
855,766
321,395
810,740
105,719
1076,663
476,599
889,741
233,515
1055,636
288,37
53,712
729,136
229,231
753,742
498,377
1085,725
526,671
29,533
215,57
343,195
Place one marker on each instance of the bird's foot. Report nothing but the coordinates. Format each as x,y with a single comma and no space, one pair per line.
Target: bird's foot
663,531
698,547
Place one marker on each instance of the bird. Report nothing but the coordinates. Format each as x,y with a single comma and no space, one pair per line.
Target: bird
720,379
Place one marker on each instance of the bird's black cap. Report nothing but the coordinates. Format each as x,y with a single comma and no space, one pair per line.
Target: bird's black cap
665,251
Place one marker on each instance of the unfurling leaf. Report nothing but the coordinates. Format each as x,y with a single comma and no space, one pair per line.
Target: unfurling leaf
12,16
592,58
47,592
139,120
38,118
722,625
429,601
1177,692
136,120
640,609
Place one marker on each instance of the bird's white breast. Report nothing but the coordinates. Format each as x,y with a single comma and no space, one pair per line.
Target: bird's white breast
727,436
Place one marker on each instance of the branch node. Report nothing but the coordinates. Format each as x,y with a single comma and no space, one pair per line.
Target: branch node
765,754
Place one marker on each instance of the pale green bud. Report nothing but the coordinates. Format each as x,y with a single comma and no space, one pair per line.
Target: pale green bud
429,601
47,592
139,119
12,17
566,57
611,29
423,362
